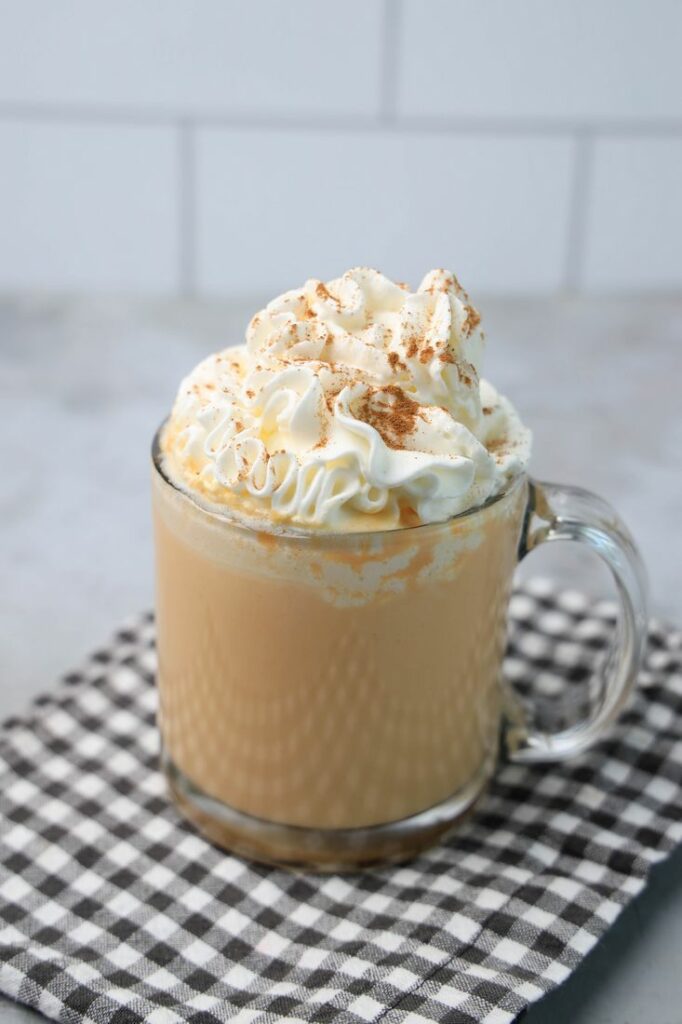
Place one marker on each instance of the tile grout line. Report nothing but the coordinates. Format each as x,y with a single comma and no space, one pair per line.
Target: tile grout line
186,208
394,123
578,211
392,20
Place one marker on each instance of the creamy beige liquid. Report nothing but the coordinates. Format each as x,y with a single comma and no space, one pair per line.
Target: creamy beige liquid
331,682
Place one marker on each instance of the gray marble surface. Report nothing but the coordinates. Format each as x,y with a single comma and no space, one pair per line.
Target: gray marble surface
83,384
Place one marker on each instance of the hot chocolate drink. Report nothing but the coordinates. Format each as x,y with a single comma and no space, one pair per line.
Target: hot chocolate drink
338,509
314,682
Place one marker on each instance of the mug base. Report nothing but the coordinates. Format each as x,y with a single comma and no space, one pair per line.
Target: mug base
318,849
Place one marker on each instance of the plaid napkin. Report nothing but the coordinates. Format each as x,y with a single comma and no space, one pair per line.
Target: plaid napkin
113,910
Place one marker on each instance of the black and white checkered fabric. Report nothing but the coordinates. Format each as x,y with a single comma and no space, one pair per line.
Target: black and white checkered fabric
113,910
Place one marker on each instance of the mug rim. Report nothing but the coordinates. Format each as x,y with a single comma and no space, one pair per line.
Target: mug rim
300,533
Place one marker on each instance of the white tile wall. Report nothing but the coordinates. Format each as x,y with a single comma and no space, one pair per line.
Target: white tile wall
586,60
240,146
88,207
193,58
277,207
634,238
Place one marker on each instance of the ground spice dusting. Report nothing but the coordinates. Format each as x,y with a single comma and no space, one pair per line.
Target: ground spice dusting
499,446
465,377
395,361
472,321
323,292
393,418
459,291
412,348
332,391
426,354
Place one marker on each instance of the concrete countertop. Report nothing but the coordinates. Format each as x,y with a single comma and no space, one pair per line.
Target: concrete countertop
84,384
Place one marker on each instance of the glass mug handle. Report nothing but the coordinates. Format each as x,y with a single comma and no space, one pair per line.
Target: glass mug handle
558,513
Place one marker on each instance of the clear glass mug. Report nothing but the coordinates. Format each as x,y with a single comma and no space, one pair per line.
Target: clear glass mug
332,700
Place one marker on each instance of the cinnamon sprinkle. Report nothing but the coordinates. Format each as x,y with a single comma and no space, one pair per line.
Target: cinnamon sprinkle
466,377
395,361
323,292
472,321
459,291
332,391
393,419
497,446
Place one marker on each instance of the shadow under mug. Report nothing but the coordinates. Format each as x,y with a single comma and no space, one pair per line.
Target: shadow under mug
331,700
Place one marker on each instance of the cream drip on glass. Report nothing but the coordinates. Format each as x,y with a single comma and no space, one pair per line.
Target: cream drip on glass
354,405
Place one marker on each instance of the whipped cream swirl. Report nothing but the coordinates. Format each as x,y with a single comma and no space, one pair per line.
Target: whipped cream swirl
353,405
